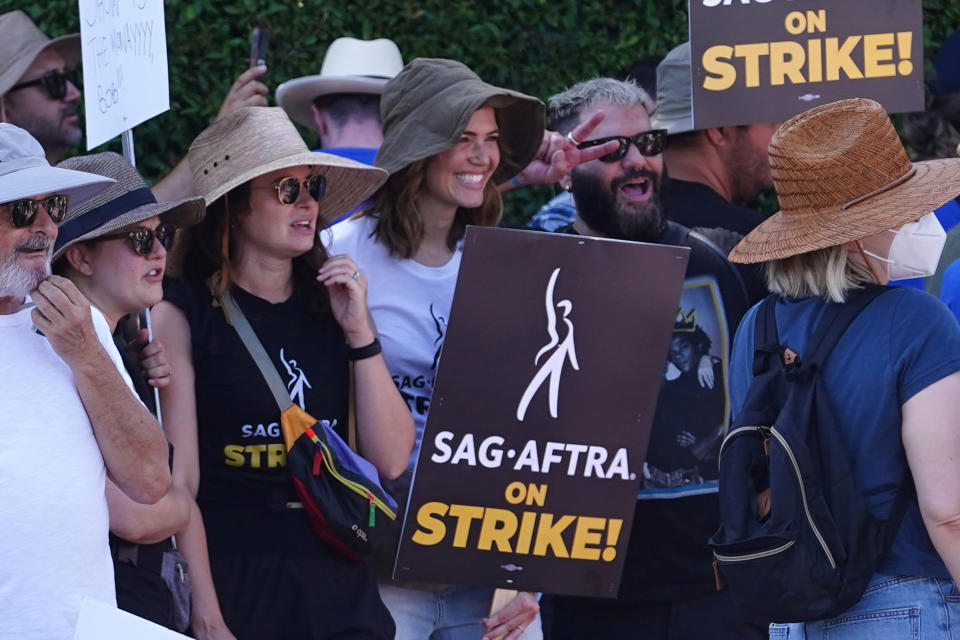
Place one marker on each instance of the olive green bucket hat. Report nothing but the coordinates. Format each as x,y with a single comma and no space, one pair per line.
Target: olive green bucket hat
426,107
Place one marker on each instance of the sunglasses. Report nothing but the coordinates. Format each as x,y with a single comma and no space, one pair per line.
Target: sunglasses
53,82
288,189
24,212
648,143
141,238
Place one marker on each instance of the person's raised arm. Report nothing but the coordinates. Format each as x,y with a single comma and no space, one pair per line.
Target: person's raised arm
558,155
385,432
131,442
179,410
931,438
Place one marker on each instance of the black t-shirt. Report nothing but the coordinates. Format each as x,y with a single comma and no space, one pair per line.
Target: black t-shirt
694,204
668,559
244,483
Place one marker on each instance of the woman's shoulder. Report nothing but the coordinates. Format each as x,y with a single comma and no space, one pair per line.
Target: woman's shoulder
346,236
917,311
191,297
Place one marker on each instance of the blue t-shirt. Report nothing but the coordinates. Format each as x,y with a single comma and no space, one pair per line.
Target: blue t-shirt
902,343
950,288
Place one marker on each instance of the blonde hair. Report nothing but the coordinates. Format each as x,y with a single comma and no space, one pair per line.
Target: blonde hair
828,273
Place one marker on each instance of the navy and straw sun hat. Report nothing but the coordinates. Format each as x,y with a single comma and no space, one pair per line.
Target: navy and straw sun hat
125,203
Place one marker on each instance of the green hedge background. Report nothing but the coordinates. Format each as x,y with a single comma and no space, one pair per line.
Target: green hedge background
535,46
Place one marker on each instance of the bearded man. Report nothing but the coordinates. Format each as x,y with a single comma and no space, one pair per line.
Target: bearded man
667,590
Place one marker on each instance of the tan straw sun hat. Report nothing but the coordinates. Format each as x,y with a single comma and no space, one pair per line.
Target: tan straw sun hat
21,42
349,66
253,141
842,174
125,203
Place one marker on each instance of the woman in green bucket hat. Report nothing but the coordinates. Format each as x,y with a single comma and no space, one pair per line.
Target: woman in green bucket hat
451,144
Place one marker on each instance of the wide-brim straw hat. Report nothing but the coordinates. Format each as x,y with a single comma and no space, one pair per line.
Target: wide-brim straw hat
349,66
127,202
428,105
25,172
21,42
842,174
253,141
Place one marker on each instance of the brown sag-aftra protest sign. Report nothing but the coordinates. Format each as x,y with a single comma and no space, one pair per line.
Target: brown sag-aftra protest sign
767,60
546,389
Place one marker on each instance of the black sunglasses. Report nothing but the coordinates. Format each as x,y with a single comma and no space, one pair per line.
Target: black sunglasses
24,212
288,189
648,143
53,82
141,238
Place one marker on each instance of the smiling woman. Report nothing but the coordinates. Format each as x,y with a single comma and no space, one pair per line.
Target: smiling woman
449,140
254,555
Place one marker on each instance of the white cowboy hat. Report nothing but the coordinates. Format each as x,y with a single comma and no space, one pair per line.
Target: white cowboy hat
349,66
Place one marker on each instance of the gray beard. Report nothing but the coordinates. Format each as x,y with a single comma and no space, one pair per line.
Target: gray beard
17,281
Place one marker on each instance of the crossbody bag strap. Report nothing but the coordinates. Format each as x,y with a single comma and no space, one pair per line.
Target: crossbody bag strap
255,349
352,409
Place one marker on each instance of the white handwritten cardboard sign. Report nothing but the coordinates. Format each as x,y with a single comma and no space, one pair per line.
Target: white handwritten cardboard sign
125,78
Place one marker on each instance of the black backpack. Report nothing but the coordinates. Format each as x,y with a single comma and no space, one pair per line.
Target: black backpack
796,541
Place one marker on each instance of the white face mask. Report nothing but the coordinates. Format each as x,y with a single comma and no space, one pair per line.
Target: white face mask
916,248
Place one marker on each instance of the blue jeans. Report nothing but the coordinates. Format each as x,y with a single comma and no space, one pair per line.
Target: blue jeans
449,613
896,607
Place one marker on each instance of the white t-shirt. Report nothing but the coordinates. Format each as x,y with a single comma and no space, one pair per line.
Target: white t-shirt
410,304
53,511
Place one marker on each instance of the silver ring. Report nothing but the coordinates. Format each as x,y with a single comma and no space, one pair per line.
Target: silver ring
356,275
573,140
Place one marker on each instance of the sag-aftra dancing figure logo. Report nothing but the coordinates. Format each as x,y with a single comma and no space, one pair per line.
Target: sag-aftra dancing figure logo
552,367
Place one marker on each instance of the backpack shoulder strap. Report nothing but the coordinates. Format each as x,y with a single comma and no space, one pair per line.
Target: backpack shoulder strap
766,340
837,319
255,348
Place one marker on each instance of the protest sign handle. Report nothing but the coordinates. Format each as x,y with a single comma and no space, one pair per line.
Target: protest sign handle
501,598
126,139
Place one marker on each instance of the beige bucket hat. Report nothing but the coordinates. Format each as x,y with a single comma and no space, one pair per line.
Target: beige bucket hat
842,174
674,92
349,66
126,202
21,42
253,141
